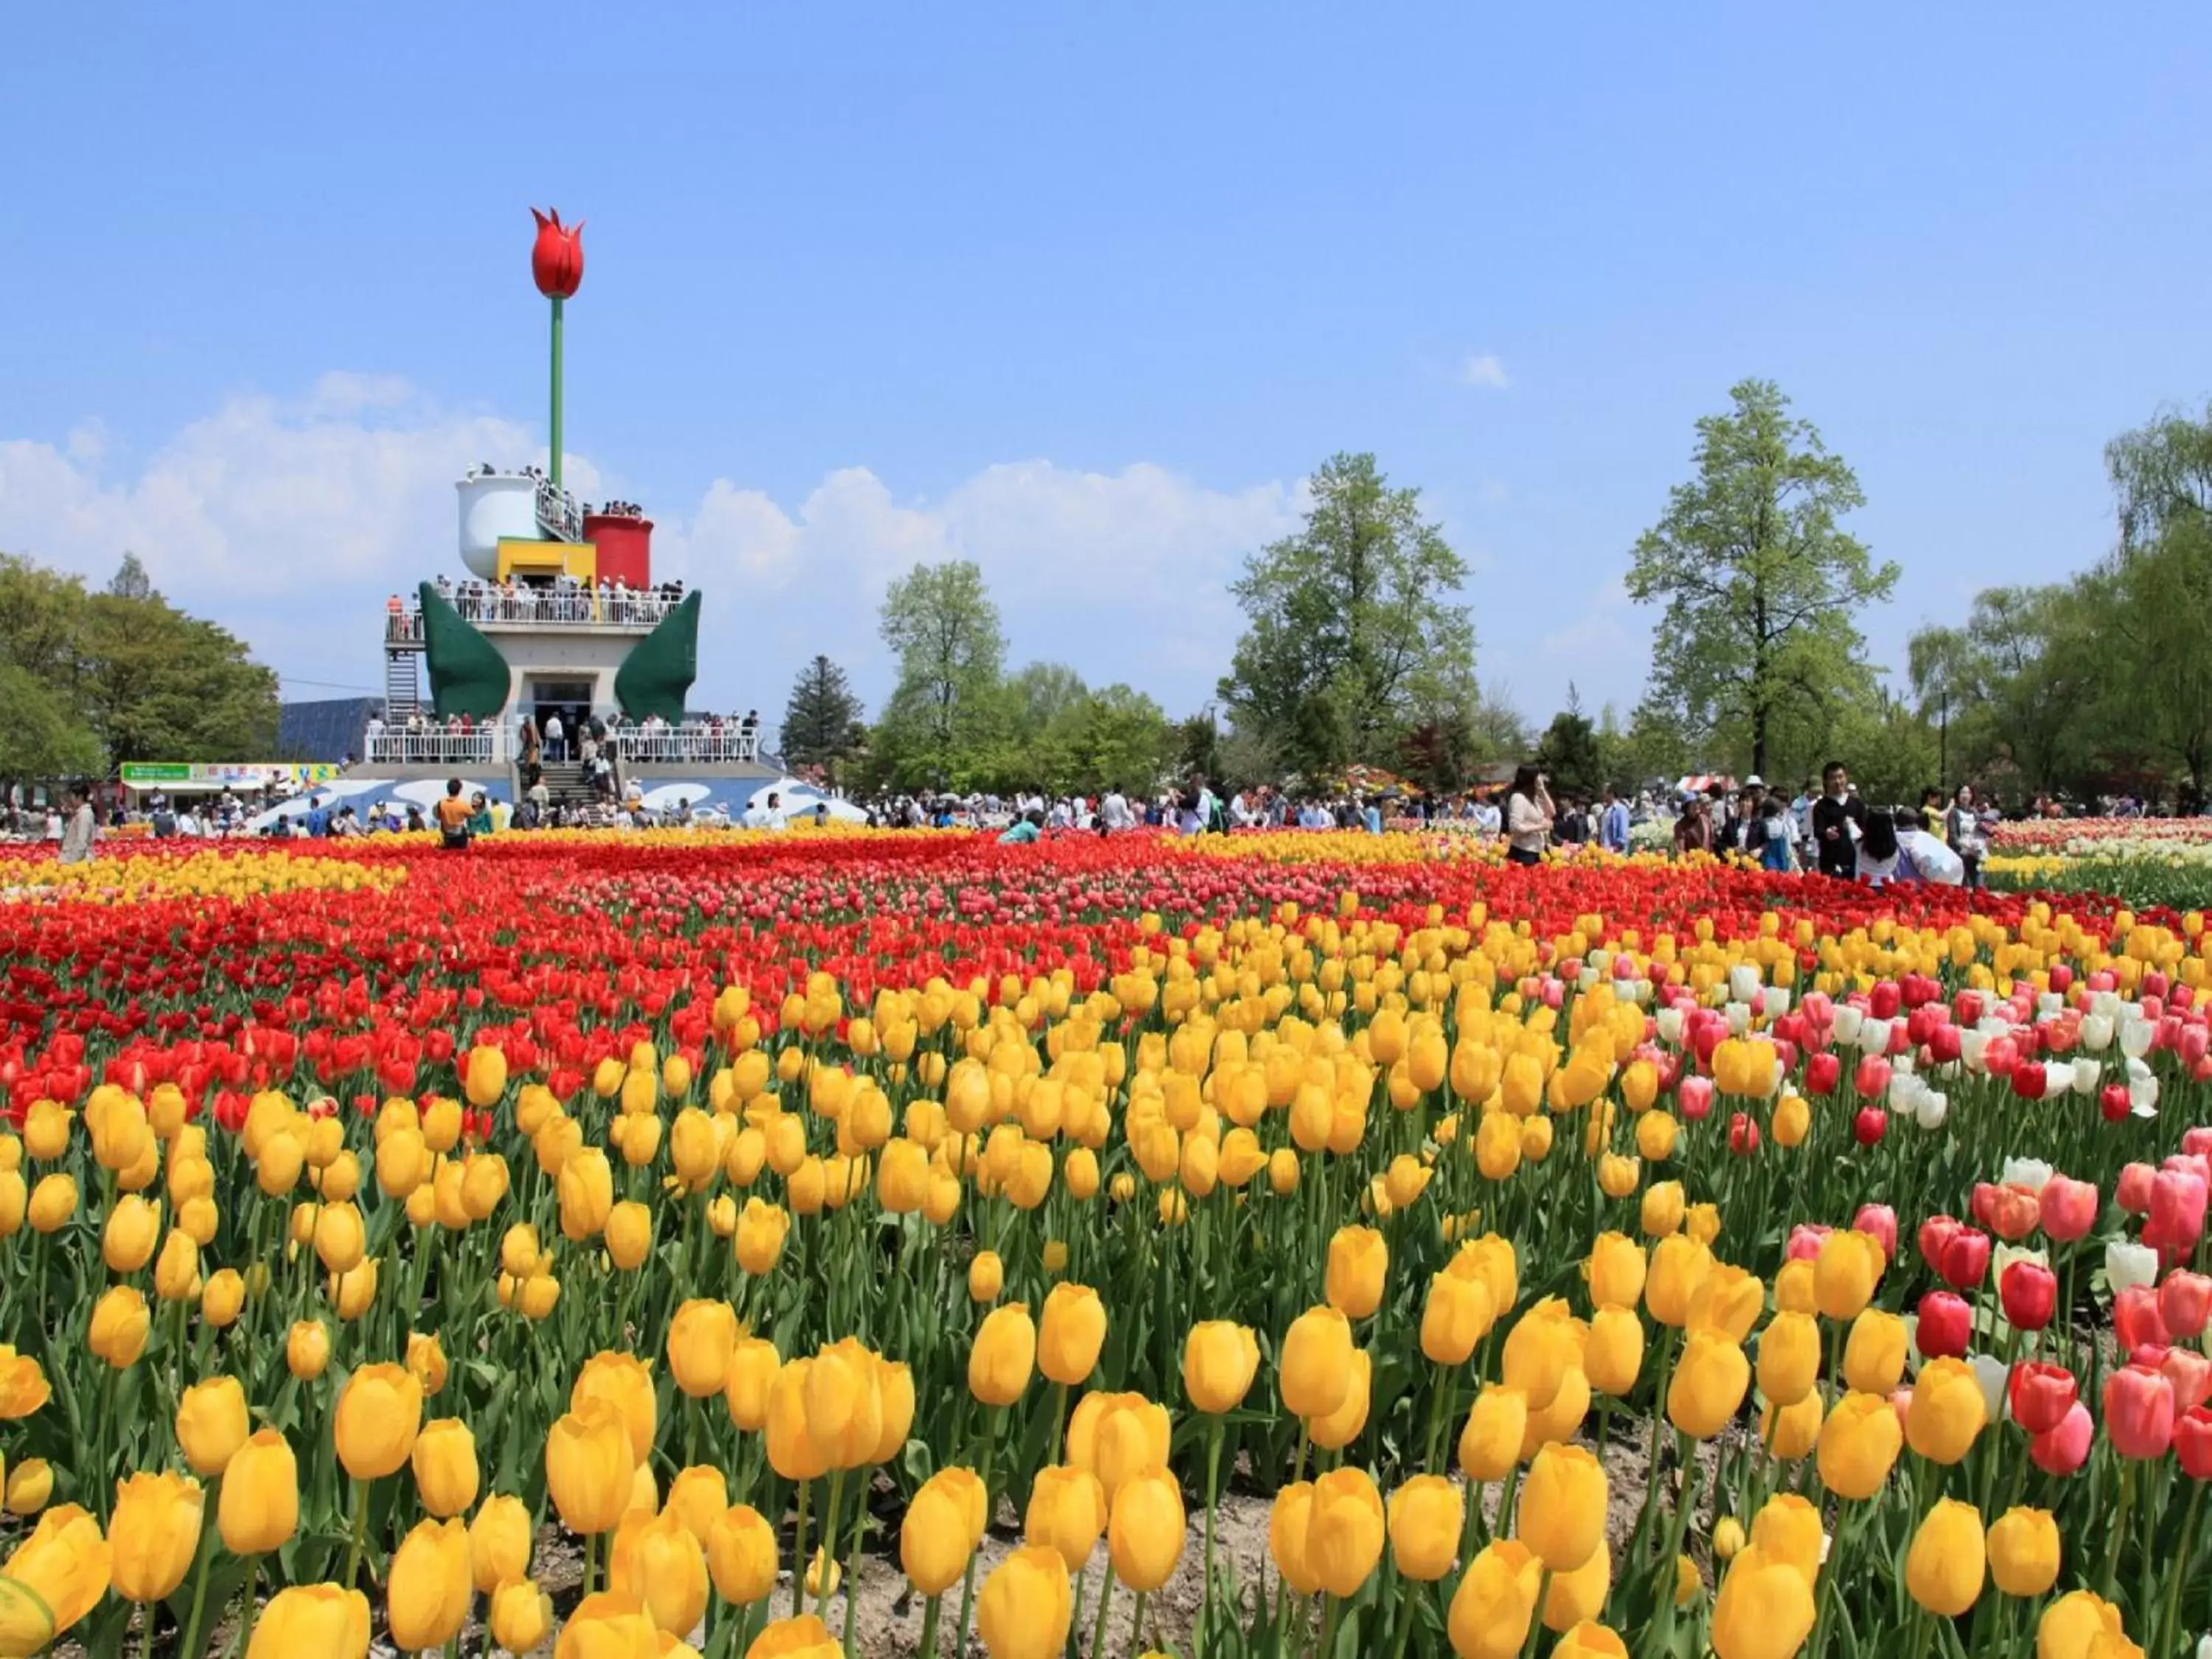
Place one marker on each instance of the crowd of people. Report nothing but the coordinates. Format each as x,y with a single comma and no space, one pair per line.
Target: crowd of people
564,599
424,739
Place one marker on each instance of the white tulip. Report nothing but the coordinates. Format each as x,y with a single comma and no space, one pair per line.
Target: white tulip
1588,979
1602,960
2049,1003
1848,1018
1670,1026
2105,1004
2142,1096
2006,1255
1640,991
1931,1109
1743,983
1874,1036
2127,1264
1738,1015
2136,1038
1974,1046
1905,1092
2097,1033
1992,1373
2032,1172
2204,1647
2088,1075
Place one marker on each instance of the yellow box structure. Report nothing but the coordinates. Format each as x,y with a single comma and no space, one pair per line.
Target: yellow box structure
518,557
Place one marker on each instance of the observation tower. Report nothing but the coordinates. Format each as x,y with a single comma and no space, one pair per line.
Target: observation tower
553,613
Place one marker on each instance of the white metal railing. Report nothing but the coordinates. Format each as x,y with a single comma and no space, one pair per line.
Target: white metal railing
566,606
693,740
440,745
494,744
559,513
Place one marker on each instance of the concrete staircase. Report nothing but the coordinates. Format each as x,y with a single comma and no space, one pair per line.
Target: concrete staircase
565,783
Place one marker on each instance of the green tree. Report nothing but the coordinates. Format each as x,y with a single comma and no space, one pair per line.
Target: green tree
821,719
945,720
41,738
160,684
1111,739
1760,585
2011,690
1570,752
1352,625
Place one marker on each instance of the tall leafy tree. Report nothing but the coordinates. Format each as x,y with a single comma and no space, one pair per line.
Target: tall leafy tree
1352,624
1570,751
945,718
821,719
1761,585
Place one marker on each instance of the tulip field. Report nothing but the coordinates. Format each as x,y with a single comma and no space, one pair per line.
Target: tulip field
634,1245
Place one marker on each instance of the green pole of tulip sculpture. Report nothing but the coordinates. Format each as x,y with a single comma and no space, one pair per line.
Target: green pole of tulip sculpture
557,263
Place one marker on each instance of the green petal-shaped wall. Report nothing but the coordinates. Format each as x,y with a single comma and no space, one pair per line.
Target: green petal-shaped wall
467,674
656,677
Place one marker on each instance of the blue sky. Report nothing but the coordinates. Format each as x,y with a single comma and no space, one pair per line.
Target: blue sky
1082,293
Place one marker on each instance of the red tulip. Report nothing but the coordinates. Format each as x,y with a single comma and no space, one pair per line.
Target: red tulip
2009,1210
2113,1103
1872,1077
1822,1072
2177,1210
2069,1208
1869,1124
2184,1303
1943,1044
2042,1394
2064,1449
2029,1293
1743,1135
2139,1411
2136,1320
556,257
2192,1442
1965,1259
1935,1233
2028,1080
1947,1326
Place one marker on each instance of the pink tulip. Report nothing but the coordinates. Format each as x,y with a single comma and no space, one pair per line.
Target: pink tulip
2069,1208
2139,1411
2190,1375
1805,1241
2065,1449
2197,1140
2133,1193
2137,1321
2177,1209
1695,1097
1878,1222
2184,1303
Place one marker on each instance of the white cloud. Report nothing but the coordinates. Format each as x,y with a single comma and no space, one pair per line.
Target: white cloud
1485,369
288,521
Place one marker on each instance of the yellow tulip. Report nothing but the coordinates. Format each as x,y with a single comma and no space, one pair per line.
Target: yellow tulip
1711,1378
211,1424
446,1473
1341,1427
1563,1507
1859,1443
1425,1515
1219,1360
1788,1358
658,1562
307,1349
1679,1265
1073,1331
380,1412
127,1242
589,1466
1615,1271
154,1533
625,1382
986,1276
702,1336
1874,1354
1145,1531
312,1619
499,1542
741,1556
1542,1347
1948,1411
119,1324
1845,1273
1489,1445
1495,1602
1613,1357
1002,1356
1764,1610
1315,1363
1345,1530
1026,1605
1456,1316
521,1615
1788,1529
428,1594
1359,1262
2080,1624
30,1487
1945,1565
753,1365
1067,1510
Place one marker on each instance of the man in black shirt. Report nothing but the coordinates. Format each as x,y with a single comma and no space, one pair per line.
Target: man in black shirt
1837,816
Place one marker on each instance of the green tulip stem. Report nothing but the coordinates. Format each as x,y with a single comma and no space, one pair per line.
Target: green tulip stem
1404,1611
1075,1614
798,1556
1686,1449
246,1607
928,1649
968,1583
1536,1615
2169,1627
1137,1628
361,1533
829,1543
1059,1420
1212,1496
852,1570
2119,1528
191,1649
1105,1601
